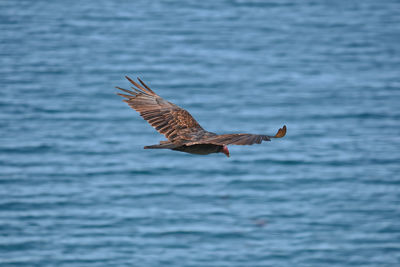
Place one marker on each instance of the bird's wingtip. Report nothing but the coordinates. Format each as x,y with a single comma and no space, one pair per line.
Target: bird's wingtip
281,132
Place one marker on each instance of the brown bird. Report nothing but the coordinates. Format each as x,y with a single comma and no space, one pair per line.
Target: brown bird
183,132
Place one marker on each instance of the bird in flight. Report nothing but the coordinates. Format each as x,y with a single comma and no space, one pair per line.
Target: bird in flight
183,132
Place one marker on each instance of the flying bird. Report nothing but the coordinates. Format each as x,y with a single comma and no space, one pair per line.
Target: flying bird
183,132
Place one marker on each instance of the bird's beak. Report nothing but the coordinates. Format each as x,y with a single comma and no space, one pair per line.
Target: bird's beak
225,151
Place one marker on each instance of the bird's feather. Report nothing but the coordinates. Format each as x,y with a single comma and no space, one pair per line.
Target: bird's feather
167,118
239,139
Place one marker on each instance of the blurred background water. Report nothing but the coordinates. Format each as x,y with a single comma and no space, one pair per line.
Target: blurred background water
77,188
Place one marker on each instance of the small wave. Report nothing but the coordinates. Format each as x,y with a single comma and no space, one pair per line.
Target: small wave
40,148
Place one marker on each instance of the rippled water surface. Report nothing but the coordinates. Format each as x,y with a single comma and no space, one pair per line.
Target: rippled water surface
77,188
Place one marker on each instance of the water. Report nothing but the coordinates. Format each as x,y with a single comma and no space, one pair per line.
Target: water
77,188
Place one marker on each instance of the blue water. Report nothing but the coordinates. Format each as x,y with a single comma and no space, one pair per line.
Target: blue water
77,188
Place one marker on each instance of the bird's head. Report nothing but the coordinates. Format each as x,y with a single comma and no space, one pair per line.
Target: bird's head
225,150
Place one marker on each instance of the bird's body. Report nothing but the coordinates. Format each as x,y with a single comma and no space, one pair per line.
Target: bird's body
200,149
183,132
197,149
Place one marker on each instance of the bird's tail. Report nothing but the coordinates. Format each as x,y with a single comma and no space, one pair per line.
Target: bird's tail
162,145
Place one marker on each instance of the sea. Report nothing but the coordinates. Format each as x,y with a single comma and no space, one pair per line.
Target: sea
78,189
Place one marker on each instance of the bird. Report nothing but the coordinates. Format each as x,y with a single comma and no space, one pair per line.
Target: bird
182,131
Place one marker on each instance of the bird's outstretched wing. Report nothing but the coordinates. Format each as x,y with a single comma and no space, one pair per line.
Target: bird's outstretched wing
167,118
239,139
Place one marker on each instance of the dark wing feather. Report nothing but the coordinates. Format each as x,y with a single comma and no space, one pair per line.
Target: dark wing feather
239,139
167,118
